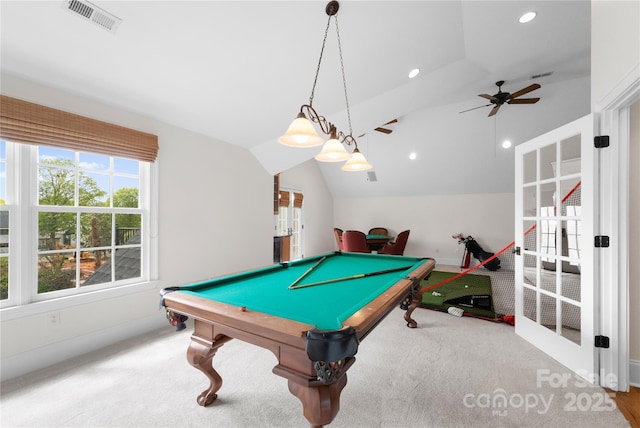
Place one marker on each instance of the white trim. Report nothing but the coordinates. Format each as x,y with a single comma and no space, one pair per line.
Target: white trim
26,362
623,94
615,366
634,373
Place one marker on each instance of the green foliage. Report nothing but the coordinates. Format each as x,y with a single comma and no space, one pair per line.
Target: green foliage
52,276
4,278
126,197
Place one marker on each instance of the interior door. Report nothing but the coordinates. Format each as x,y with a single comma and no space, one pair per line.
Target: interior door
555,274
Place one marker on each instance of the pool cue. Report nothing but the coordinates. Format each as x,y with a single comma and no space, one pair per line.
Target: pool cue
293,284
345,278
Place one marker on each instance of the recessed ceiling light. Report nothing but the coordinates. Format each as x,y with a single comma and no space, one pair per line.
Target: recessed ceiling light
412,156
506,144
527,17
413,73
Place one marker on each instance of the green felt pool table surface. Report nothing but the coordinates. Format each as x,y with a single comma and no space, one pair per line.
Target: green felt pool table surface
325,306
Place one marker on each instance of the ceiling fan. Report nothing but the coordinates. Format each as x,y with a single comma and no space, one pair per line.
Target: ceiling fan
497,100
386,130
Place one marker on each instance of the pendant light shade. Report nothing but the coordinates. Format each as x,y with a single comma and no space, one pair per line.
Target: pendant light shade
301,133
357,162
333,151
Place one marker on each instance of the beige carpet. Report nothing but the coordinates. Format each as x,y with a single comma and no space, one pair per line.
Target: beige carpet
450,372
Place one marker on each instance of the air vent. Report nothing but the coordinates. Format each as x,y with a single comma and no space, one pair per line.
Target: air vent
537,76
94,14
371,176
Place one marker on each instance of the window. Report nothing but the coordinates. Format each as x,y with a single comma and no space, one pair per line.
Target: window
548,233
4,225
289,220
75,205
88,216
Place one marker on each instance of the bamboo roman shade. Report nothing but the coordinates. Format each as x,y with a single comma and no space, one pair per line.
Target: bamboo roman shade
284,199
297,200
25,122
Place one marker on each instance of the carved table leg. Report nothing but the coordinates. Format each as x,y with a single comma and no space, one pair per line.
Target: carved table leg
320,403
200,355
416,300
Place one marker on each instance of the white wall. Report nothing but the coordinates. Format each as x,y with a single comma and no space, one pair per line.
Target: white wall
615,43
433,219
317,206
214,215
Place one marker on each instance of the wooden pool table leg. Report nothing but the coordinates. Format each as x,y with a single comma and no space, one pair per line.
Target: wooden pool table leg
200,355
416,300
320,403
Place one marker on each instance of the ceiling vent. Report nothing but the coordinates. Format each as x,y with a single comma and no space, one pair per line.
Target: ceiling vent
94,14
371,176
537,76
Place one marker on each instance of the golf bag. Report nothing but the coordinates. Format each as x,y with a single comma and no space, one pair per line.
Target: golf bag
472,246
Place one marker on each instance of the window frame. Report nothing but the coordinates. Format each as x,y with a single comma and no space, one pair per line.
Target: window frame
23,207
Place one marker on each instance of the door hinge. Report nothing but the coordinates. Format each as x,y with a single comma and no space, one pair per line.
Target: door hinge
601,241
601,141
516,251
602,341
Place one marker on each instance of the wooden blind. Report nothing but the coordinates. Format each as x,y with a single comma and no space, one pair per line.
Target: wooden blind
25,122
276,193
284,199
297,200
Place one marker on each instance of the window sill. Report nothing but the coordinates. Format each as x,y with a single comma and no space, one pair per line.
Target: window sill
36,308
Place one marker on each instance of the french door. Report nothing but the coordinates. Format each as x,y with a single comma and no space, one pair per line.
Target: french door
556,269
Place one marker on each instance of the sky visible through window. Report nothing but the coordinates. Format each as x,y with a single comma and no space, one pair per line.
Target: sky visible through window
98,168
125,171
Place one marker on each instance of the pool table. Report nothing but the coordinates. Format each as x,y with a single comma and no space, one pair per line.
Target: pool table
311,313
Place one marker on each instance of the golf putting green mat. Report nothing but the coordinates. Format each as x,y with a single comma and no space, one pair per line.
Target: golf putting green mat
471,293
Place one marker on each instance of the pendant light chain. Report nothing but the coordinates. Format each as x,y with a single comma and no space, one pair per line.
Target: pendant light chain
344,79
301,132
315,80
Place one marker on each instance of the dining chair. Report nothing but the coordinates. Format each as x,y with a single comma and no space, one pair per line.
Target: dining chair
396,247
378,231
338,235
355,241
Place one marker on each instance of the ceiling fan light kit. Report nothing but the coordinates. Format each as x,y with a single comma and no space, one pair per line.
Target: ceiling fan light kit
301,133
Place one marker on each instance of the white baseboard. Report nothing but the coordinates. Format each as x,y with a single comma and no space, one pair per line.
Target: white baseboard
634,373
36,359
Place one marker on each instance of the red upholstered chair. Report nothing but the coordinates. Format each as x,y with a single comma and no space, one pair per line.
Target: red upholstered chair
338,234
397,247
378,231
355,241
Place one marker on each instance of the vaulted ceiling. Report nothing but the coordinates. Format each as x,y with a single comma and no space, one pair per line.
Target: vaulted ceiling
238,71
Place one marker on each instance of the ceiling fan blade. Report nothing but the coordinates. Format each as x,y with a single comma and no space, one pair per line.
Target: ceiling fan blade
475,108
487,96
494,110
386,130
383,130
525,90
524,101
